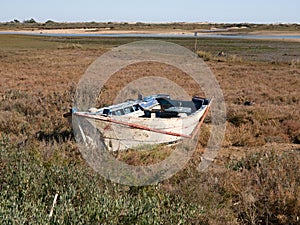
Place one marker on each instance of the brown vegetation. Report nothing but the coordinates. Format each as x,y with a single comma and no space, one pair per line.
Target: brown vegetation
254,180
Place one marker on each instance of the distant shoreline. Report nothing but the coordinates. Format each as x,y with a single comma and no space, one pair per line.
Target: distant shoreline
188,33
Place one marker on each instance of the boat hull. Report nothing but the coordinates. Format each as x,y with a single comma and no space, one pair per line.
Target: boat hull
150,131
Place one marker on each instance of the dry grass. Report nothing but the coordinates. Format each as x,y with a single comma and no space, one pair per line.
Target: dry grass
295,63
220,57
254,180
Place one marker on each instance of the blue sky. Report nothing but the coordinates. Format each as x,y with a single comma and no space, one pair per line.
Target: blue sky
252,11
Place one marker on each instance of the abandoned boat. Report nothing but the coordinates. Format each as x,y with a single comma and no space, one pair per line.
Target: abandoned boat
151,120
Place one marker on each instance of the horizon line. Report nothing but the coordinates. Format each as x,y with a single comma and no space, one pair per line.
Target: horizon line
152,22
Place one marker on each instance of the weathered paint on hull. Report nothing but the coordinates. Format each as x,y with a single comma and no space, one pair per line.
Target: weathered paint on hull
121,137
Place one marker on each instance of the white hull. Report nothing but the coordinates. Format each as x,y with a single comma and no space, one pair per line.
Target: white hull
121,137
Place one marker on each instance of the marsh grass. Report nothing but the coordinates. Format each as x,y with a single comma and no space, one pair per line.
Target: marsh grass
145,156
207,56
295,63
269,183
39,157
28,190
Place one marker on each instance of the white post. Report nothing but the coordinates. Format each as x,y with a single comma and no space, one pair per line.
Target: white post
196,34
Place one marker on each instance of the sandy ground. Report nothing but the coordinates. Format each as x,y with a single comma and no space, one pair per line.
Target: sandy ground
273,34
98,31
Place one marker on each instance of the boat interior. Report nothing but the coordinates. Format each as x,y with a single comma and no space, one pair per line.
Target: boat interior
156,107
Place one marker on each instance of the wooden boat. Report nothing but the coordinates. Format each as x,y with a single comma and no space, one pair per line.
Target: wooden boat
152,120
